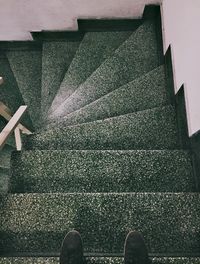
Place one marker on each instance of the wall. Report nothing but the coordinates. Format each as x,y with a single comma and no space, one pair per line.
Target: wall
181,20
19,17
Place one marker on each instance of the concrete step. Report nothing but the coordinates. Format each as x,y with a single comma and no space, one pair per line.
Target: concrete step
148,91
95,48
150,129
10,94
56,58
170,222
97,260
102,171
135,57
27,68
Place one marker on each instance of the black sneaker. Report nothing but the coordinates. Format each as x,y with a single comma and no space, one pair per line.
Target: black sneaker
72,249
135,250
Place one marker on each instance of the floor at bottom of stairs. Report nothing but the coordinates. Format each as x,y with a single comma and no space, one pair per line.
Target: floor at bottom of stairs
98,260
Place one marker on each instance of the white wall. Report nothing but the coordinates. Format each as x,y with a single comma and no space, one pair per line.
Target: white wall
181,20
18,17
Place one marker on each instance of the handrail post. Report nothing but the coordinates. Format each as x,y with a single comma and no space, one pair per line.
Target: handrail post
7,114
11,125
18,139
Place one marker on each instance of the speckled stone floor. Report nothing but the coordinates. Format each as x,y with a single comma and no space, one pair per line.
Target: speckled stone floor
106,156
97,260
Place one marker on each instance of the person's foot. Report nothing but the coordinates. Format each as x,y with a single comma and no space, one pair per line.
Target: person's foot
72,249
135,250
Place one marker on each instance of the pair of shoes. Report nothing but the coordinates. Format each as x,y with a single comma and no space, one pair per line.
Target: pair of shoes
135,250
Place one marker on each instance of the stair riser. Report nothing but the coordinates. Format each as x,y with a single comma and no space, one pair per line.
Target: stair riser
5,155
4,180
37,223
102,171
151,129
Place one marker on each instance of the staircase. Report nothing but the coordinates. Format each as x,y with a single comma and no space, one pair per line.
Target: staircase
106,156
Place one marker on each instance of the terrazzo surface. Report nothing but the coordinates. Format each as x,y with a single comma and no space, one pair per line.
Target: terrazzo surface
151,129
98,260
148,91
56,58
10,94
27,66
102,171
170,222
112,165
93,50
135,57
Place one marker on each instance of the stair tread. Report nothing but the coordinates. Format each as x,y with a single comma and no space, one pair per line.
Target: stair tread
99,260
93,50
146,92
102,171
150,129
26,66
132,59
170,222
56,58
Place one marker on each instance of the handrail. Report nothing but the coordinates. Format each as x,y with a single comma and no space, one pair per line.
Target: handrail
11,126
7,114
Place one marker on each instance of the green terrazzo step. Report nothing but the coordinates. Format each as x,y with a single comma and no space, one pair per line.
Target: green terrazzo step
135,57
149,91
102,171
150,129
27,68
4,180
96,260
93,50
10,94
37,223
56,58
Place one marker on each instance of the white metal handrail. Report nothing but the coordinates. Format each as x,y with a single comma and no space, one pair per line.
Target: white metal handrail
11,126
7,114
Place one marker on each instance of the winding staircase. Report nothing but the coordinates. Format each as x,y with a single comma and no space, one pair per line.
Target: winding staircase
106,154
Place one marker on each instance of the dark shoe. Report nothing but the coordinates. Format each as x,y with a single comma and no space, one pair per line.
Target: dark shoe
72,249
135,250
